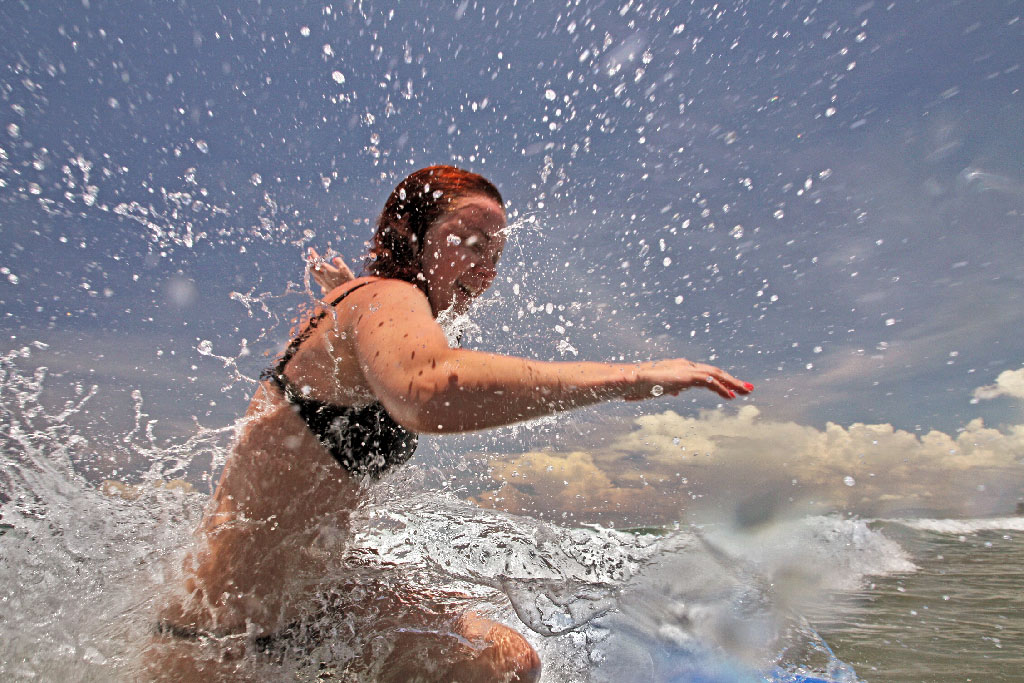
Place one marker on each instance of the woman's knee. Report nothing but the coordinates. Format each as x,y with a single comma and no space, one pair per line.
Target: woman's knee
515,654
504,654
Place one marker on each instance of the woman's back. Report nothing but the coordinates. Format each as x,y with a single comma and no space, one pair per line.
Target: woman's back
283,486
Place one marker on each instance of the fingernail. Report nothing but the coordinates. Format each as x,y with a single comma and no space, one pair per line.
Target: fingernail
748,386
732,394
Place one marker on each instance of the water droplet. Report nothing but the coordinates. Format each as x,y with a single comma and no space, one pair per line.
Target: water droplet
205,347
338,77
549,94
328,50
304,31
202,146
454,240
679,298
255,179
849,481
657,390
831,111
779,214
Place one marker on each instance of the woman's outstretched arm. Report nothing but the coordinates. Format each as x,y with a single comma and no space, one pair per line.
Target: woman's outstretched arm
429,387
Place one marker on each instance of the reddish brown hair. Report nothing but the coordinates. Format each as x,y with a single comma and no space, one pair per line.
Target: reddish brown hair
412,208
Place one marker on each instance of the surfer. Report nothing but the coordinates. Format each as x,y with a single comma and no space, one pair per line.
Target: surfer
342,407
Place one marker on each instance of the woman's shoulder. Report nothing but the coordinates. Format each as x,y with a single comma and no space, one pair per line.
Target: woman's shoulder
373,302
372,287
367,282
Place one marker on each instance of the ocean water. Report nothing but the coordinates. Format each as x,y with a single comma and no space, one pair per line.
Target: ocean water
835,598
958,615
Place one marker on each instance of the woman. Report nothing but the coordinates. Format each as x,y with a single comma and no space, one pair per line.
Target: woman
343,406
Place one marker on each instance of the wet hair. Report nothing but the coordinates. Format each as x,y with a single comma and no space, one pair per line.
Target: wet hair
418,201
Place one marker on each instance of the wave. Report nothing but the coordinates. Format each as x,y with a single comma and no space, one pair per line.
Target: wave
962,526
604,604
824,552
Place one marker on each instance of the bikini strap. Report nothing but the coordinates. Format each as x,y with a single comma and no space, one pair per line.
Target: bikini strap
275,373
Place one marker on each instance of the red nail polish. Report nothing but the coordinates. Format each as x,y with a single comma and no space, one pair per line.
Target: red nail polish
732,394
748,386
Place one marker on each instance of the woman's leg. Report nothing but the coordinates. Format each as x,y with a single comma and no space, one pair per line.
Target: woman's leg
466,649
372,631
499,653
172,659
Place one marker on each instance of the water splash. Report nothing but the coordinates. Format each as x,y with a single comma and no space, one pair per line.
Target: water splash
79,557
84,557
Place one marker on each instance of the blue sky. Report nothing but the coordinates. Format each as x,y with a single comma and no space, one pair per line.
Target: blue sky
835,190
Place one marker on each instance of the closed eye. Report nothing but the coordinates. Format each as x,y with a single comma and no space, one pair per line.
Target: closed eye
480,245
477,243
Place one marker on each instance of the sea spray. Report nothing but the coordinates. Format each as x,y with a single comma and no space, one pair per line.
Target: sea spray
78,564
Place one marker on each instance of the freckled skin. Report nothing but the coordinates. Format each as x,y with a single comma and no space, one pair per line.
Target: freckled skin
280,488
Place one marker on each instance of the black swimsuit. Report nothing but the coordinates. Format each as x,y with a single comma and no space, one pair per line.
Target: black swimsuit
366,441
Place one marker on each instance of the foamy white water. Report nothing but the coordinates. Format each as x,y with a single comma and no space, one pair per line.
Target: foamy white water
965,526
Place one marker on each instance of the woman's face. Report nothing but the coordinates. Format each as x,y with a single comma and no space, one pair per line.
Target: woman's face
461,250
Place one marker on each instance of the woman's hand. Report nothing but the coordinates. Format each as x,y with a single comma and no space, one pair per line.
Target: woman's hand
328,275
674,375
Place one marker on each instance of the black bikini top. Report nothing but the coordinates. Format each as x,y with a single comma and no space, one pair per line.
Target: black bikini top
365,440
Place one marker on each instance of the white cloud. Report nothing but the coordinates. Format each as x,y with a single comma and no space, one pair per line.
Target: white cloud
741,467
1008,383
